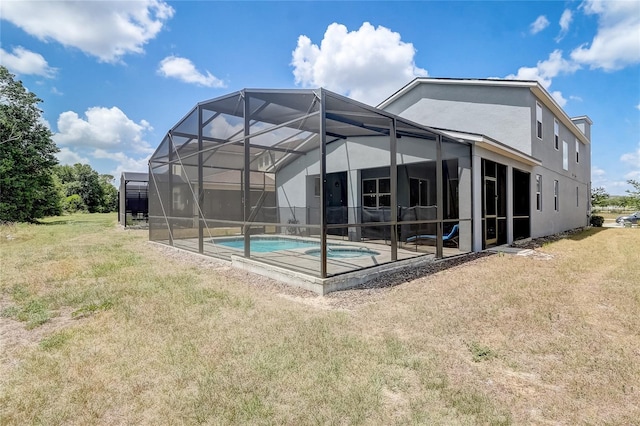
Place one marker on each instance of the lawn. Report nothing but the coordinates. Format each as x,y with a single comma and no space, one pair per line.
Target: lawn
99,326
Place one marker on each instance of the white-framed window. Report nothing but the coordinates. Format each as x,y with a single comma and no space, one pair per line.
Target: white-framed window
565,155
539,120
539,192
376,192
577,151
556,191
556,134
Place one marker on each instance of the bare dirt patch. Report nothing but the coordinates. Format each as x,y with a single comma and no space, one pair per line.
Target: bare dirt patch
15,337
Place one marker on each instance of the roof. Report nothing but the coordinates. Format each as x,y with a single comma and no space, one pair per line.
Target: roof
283,124
535,87
493,145
135,177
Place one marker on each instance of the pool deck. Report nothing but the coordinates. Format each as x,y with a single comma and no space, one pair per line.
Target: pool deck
297,268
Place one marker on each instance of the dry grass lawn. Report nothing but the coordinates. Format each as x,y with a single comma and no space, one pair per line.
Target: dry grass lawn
99,326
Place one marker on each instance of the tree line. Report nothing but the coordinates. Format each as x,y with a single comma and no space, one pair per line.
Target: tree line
600,197
32,183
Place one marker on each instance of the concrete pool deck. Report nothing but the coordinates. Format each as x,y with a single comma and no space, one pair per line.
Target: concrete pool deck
297,268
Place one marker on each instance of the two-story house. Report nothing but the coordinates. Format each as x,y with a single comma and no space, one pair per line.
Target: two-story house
316,188
531,162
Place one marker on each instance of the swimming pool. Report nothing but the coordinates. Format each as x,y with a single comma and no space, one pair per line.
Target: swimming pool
268,244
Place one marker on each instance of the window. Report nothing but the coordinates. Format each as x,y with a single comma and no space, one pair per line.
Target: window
577,197
556,134
539,120
565,155
316,187
577,151
556,189
539,192
376,192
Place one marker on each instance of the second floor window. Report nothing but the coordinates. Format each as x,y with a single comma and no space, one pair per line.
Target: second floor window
556,134
565,155
539,120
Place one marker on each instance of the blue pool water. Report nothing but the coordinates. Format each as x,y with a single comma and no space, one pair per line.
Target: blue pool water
267,245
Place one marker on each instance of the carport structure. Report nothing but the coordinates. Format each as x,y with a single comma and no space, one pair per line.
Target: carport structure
308,183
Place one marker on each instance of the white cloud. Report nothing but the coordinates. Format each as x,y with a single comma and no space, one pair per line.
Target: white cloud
67,156
557,95
102,128
107,30
617,42
25,62
545,71
635,175
124,162
565,22
597,172
638,106
632,158
368,64
598,177
575,98
539,24
184,70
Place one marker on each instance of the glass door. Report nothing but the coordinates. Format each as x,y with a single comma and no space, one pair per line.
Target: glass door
490,211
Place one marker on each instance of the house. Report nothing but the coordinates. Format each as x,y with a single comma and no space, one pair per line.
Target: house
532,162
338,191
133,198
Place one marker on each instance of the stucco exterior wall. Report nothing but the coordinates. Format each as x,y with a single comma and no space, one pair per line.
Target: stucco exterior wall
502,113
508,115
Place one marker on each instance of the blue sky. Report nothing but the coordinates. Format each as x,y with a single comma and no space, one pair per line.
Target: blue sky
115,76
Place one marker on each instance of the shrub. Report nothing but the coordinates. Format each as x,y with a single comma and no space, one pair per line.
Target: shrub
73,203
597,220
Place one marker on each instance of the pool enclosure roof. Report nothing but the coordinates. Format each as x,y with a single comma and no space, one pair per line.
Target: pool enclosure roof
285,123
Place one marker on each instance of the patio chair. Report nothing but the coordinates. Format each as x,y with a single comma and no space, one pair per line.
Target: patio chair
452,236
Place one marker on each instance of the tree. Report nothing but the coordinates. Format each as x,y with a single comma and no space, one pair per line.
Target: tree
82,180
27,191
96,192
109,194
599,196
634,194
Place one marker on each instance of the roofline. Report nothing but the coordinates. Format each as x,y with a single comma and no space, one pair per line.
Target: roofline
492,145
543,95
536,88
583,117
471,81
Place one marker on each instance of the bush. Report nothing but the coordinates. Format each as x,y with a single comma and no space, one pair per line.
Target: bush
73,203
597,220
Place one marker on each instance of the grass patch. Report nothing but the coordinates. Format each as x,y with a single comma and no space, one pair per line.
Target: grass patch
480,352
501,340
91,309
34,313
56,340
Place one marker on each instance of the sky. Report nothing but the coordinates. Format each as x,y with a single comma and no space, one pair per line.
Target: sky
115,76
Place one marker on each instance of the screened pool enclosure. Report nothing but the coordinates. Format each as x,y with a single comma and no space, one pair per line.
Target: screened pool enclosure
309,181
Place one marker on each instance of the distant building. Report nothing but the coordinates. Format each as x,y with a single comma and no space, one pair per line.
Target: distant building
133,198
